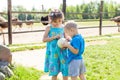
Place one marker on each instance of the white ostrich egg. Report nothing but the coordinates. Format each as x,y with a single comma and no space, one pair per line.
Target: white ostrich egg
61,41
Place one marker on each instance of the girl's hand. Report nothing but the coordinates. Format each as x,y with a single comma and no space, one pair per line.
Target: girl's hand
57,37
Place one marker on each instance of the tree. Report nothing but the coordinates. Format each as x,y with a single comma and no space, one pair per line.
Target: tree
20,8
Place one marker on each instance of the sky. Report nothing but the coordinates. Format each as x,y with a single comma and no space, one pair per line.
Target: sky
29,4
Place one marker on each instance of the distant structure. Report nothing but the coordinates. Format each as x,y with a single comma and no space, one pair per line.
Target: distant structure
117,20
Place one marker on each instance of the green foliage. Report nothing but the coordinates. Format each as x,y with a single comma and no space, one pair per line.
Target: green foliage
25,73
91,10
22,17
30,17
19,8
86,11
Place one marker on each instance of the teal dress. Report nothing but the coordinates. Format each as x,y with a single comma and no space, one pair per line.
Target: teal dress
56,58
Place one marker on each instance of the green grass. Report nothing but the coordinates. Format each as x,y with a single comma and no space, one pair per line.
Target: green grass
23,47
103,61
96,23
25,73
38,24
102,37
33,46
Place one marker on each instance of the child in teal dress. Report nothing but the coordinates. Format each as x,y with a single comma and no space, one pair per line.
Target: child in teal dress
55,60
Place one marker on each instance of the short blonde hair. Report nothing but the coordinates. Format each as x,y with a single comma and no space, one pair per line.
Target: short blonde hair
70,26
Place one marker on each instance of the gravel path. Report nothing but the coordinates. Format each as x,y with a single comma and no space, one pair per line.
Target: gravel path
31,58
34,58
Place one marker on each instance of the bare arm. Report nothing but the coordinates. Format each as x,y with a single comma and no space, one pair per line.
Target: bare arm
45,36
71,48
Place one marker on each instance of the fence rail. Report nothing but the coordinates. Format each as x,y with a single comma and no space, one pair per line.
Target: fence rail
9,12
28,12
42,30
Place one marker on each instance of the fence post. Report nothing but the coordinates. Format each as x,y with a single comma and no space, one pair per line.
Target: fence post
101,13
9,22
64,8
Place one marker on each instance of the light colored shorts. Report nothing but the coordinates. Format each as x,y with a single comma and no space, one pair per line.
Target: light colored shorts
76,67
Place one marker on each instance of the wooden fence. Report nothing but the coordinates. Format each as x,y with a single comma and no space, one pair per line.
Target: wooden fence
10,12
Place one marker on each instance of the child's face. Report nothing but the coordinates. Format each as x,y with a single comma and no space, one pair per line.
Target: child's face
57,22
68,33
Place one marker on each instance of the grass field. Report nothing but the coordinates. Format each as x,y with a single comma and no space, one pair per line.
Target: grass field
102,60
25,73
96,23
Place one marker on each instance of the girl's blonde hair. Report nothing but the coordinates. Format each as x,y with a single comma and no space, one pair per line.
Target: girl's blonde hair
56,14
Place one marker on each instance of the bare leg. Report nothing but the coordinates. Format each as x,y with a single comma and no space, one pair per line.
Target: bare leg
65,77
118,24
31,27
82,77
74,78
3,36
118,28
54,77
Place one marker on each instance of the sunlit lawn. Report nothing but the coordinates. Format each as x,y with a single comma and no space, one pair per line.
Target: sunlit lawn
25,73
96,23
103,61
